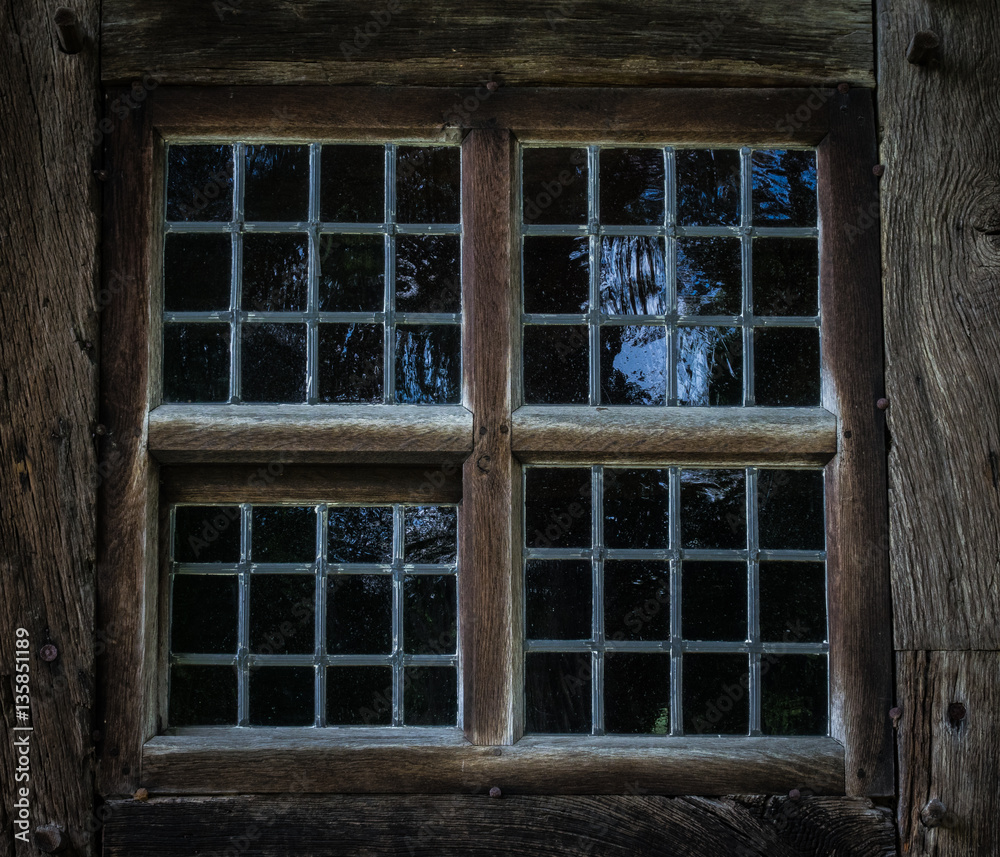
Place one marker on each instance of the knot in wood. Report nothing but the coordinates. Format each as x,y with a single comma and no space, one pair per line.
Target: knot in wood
956,714
483,463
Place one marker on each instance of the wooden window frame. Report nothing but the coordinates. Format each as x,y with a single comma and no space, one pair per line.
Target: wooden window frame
212,454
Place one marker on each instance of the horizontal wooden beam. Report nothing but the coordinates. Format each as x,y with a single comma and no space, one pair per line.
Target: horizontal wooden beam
544,434
387,434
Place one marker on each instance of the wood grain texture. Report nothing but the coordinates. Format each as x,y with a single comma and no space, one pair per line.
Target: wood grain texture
454,42
549,434
955,761
309,433
941,238
857,556
637,825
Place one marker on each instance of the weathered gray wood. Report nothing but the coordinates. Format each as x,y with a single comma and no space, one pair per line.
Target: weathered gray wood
49,228
457,42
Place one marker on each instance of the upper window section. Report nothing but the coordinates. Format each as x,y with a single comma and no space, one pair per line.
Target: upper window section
660,276
312,273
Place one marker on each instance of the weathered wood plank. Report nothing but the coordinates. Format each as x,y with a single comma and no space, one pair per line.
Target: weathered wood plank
49,226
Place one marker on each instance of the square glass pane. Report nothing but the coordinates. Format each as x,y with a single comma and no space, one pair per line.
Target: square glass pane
430,696
636,600
351,362
199,183
713,509
790,511
637,693
282,696
556,365
196,362
283,534
784,188
428,184
636,508
352,184
202,695
204,613
430,534
709,279
632,186
351,273
359,614
557,599
714,601
427,273
282,607
274,362
556,274
557,507
554,185
786,366
715,697
633,275
557,692
633,365
785,276
359,534
793,695
428,363
196,272
275,272
277,183
359,696
430,614
709,366
793,602
708,187
207,534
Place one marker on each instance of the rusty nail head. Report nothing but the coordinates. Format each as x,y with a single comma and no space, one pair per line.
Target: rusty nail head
933,813
492,86
495,792
843,88
50,839
794,794
895,713
882,404
924,48
956,713
48,652
100,429
879,169
141,794
70,33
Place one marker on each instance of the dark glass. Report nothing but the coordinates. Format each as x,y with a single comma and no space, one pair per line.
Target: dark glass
204,614
428,273
793,695
202,695
430,534
714,601
786,366
207,534
709,281
274,362
790,509
713,509
277,183
282,607
351,273
430,696
709,366
632,186
428,184
275,272
784,188
558,599
351,363
636,600
196,272
633,275
199,183
556,274
556,365
708,187
637,694
359,614
785,276
557,507
352,184
428,363
557,692
715,695
282,696
636,508
195,362
359,696
633,365
359,534
283,534
555,185
793,602
430,614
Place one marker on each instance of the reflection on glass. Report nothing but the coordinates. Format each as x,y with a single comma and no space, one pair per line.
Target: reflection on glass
556,368
283,534
636,600
636,508
359,696
202,695
709,366
351,273
428,363
281,696
275,272
352,187
282,607
786,366
633,275
359,534
632,186
350,363
794,695
429,614
637,693
633,365
430,534
274,362
785,276
359,614
556,274
557,691
199,183
709,281
428,184
277,183
792,602
557,507
708,187
195,362
790,509
207,534
555,185
430,696
715,696
427,273
784,188
713,509
196,269
204,612
714,601
558,598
